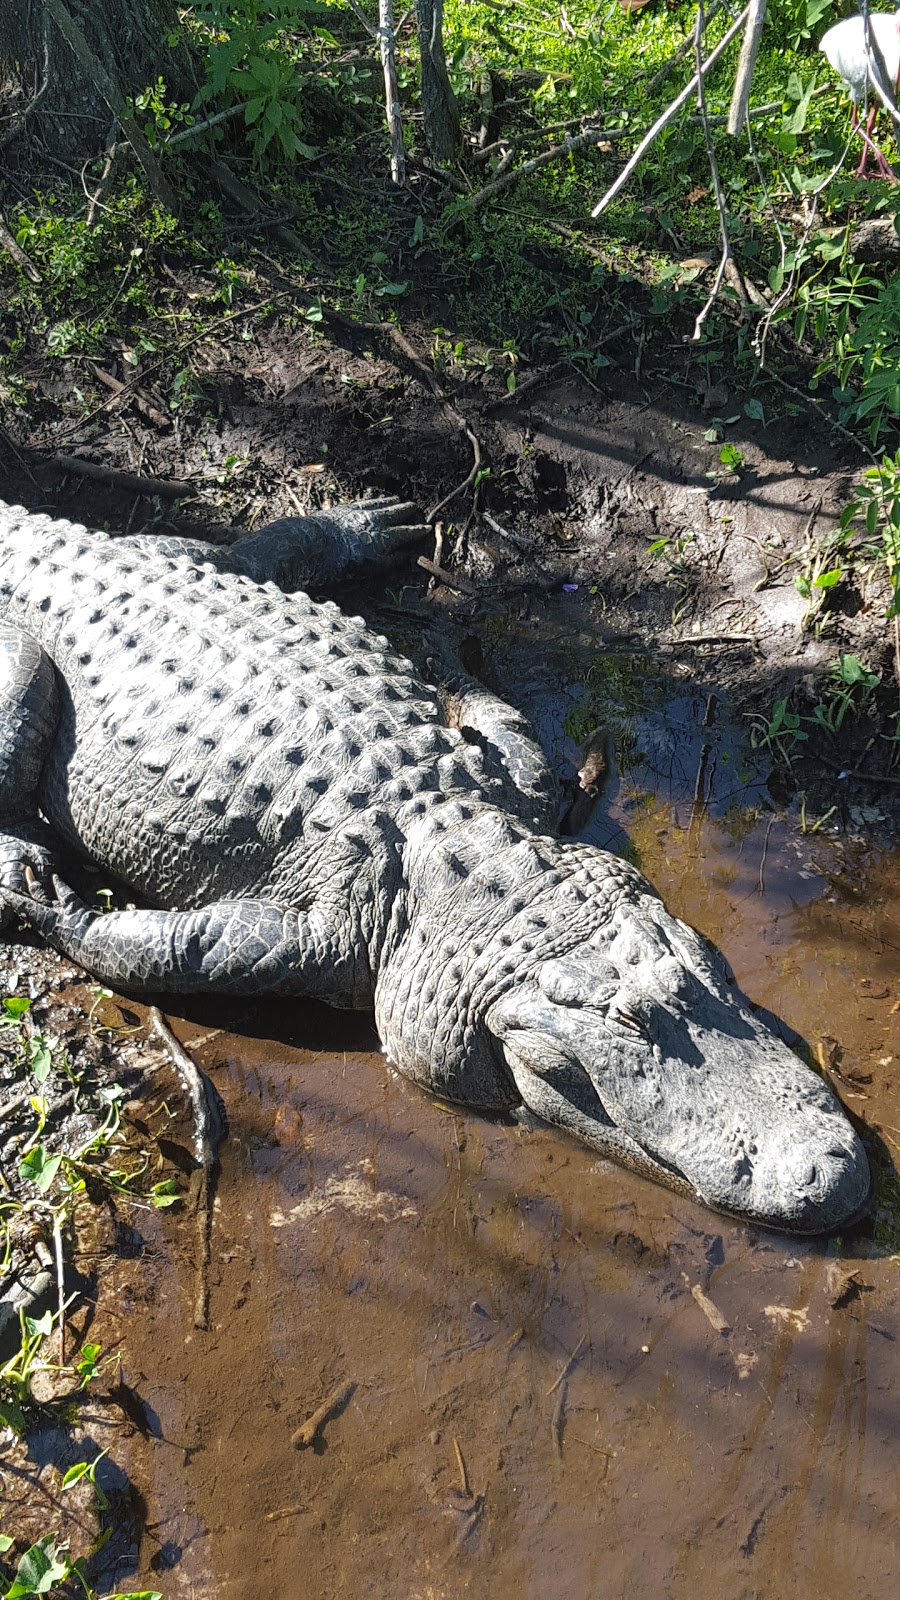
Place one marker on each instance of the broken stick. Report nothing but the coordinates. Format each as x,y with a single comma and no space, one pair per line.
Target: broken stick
307,1433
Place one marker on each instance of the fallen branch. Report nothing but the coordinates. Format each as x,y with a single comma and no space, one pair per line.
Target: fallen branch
208,1130
670,112
307,1433
166,488
864,777
740,98
139,400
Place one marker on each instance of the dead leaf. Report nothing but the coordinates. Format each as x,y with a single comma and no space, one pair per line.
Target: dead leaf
744,1362
798,1320
693,195
633,5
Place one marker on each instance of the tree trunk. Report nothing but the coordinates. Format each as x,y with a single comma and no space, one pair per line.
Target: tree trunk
47,91
438,100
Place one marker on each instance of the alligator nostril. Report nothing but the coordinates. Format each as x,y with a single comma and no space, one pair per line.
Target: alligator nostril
805,1174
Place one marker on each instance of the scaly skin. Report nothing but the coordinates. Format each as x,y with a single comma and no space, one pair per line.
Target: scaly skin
273,774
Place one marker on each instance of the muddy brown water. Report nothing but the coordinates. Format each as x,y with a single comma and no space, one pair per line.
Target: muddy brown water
567,1381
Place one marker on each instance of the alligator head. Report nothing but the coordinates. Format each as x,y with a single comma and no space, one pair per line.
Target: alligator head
551,974
637,1043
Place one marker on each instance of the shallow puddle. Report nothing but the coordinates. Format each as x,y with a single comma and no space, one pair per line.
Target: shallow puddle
567,1381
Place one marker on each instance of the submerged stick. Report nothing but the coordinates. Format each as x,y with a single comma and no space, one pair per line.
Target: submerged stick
568,1366
306,1434
208,1132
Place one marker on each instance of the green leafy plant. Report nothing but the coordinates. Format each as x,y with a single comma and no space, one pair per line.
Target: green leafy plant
779,733
849,685
249,61
877,507
46,1565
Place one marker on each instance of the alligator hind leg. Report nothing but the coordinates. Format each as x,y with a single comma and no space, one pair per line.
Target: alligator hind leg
312,552
507,738
28,714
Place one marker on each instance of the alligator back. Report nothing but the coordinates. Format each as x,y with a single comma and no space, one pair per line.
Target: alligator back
215,733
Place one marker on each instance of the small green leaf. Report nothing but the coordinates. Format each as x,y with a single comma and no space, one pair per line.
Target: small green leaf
41,1062
40,1168
165,1194
6,1543
16,1005
40,1325
75,1474
827,580
754,410
802,586
12,1416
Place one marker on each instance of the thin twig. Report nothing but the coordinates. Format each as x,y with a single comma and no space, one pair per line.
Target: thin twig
96,200
470,477
568,147
448,578
461,1465
387,45
668,67
60,1285
727,255
670,111
208,1130
740,98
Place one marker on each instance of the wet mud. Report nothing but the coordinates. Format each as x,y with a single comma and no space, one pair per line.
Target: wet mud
535,1372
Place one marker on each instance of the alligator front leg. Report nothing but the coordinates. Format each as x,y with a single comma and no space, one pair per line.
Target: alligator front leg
28,715
235,947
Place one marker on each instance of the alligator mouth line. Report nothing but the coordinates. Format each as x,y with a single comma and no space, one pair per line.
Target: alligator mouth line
671,1177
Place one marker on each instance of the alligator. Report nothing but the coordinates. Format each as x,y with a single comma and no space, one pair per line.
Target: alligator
301,814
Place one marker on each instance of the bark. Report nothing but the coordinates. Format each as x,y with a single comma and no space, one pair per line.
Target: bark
45,90
438,100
